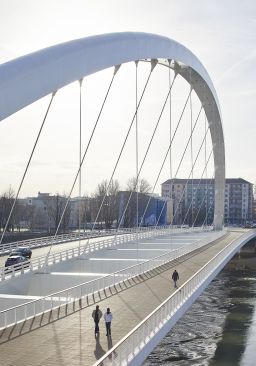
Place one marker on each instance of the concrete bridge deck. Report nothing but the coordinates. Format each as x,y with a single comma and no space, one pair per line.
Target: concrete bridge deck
71,342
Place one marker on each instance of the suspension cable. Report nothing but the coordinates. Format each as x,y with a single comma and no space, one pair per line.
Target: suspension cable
182,157
27,166
170,116
149,145
80,157
86,150
202,201
196,190
170,111
185,187
191,158
137,156
206,173
165,157
210,205
153,64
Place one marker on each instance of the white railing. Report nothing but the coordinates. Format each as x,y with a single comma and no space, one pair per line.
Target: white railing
126,350
53,301
63,238
44,261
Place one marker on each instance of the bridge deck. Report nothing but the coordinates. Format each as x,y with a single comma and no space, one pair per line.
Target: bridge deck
71,342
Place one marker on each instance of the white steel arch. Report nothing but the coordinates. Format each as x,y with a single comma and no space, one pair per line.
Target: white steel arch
31,77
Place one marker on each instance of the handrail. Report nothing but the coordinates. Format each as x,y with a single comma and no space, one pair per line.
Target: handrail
56,300
133,343
39,262
5,248
53,258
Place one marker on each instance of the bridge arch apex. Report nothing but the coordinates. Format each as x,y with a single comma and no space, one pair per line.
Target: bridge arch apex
33,76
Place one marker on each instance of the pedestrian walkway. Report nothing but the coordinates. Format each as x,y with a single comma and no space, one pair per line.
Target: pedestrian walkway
71,342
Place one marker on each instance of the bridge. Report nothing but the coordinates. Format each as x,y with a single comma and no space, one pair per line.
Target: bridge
46,304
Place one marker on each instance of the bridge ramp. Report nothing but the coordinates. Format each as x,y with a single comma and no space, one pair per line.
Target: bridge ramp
71,342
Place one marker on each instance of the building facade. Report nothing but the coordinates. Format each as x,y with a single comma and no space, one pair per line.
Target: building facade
50,213
151,210
193,201
45,212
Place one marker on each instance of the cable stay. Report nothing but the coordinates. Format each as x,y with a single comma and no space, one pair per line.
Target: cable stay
147,150
185,187
80,158
196,190
137,155
153,64
182,157
201,204
165,157
84,155
206,174
27,166
170,111
170,116
210,206
191,155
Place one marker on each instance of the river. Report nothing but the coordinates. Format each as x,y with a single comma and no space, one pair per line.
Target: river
218,330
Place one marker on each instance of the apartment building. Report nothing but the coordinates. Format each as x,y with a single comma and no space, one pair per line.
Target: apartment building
193,201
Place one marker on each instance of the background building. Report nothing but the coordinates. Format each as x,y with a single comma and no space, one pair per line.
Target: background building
44,212
152,209
193,201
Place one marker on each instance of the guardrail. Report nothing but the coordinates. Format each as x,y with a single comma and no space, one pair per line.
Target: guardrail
135,342
47,260
58,299
64,238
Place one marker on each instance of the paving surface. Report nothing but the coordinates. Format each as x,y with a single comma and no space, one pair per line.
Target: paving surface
70,341
99,263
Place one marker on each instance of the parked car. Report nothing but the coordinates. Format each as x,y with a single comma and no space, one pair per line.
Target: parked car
16,259
22,251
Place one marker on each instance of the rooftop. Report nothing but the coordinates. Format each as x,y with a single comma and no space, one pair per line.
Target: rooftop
205,181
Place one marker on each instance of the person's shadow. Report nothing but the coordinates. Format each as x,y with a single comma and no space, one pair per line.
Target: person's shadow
110,345
99,351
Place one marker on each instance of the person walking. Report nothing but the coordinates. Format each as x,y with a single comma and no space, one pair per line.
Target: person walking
108,319
96,314
175,277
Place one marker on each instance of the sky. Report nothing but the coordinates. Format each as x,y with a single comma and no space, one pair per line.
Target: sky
221,33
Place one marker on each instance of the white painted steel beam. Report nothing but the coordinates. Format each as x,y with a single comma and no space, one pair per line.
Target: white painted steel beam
31,77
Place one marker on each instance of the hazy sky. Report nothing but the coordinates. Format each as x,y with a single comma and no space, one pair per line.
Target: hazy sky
221,33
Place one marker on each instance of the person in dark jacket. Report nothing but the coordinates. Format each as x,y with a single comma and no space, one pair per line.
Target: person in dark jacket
97,314
175,277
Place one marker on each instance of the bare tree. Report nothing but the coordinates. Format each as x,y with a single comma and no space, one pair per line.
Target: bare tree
106,199
142,185
28,217
83,214
55,207
6,202
135,201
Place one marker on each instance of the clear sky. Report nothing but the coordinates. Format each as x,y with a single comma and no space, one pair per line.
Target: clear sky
221,33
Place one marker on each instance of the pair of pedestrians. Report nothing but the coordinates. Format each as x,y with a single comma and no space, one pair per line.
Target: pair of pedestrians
97,315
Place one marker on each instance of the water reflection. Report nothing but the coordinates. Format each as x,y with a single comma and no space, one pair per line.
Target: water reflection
233,343
249,356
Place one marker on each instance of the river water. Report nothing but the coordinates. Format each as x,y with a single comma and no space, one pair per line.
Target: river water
218,330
